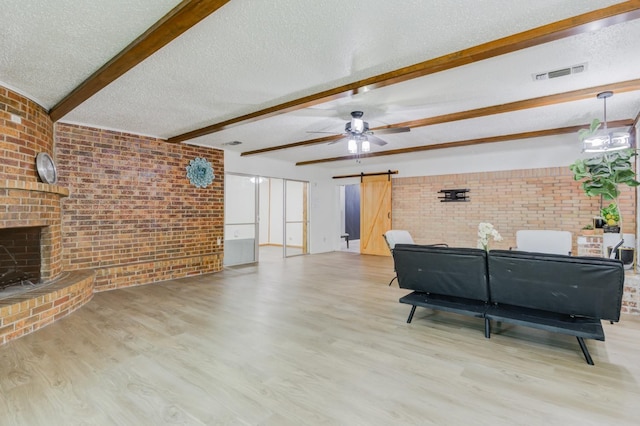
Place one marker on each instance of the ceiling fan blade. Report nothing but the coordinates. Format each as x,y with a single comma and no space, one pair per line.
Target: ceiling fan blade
337,141
376,140
392,130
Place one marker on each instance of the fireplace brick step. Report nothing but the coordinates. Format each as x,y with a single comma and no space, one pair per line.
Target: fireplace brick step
27,312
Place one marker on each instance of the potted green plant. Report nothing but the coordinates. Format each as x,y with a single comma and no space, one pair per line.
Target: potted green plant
602,175
588,229
611,216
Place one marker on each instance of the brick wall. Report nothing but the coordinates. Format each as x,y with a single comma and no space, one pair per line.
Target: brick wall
511,200
132,214
21,142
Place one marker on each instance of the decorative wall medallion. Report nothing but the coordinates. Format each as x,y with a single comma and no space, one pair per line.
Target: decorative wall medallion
200,172
46,168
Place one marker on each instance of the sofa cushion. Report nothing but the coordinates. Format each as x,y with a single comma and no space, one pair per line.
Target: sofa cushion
573,285
457,272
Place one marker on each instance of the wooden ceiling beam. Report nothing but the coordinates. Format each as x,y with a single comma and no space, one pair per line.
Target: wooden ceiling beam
575,95
173,24
586,22
294,144
469,142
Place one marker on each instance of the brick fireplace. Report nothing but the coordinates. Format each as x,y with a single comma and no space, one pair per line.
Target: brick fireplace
30,224
29,207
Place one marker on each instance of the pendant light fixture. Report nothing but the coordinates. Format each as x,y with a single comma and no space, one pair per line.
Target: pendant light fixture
352,146
603,140
358,144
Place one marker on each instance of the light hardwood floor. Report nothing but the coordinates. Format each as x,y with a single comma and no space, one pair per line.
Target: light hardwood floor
308,340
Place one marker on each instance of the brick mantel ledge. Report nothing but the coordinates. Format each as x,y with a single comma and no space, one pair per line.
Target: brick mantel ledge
34,187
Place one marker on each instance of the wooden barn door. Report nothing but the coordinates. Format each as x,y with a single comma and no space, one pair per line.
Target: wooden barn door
375,214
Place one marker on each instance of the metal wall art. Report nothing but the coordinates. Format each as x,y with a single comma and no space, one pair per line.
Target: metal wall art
200,172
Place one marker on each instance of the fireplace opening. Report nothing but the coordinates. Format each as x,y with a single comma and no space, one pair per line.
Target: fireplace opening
20,258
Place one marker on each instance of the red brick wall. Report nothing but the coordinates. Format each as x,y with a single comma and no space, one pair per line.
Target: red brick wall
511,200
132,214
21,142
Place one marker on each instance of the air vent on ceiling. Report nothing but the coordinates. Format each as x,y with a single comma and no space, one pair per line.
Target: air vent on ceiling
232,143
575,69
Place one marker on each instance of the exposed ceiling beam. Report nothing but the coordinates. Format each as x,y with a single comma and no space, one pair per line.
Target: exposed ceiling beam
295,144
469,142
576,95
587,22
173,24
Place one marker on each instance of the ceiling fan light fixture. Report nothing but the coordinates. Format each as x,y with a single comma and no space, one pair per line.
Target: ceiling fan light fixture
603,140
352,147
357,125
366,146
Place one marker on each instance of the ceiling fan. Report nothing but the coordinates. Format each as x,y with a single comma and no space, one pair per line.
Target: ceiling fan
360,137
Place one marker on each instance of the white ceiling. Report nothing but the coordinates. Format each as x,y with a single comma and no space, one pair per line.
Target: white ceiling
253,54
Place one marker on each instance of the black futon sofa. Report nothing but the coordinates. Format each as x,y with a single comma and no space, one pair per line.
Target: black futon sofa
564,294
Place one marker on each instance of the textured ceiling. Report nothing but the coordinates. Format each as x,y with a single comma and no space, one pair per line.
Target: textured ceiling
250,55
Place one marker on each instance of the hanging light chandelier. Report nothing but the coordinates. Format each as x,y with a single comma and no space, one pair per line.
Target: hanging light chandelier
358,144
603,140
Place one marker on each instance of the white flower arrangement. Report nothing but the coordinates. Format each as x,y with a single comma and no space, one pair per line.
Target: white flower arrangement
485,231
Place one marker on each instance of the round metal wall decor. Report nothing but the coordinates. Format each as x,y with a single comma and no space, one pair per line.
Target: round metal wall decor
46,168
200,172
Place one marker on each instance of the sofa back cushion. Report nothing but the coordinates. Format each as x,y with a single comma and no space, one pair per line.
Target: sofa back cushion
581,286
458,272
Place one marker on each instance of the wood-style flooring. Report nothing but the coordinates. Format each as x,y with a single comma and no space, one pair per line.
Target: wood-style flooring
308,340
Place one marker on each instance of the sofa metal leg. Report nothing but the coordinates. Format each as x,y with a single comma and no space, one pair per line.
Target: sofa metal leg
585,351
392,280
487,328
413,311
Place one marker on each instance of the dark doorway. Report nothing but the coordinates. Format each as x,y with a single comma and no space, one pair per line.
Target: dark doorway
352,211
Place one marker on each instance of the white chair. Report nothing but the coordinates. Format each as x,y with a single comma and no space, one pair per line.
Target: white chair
396,236
399,236
544,241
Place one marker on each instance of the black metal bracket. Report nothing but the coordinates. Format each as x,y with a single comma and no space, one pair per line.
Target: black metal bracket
453,195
